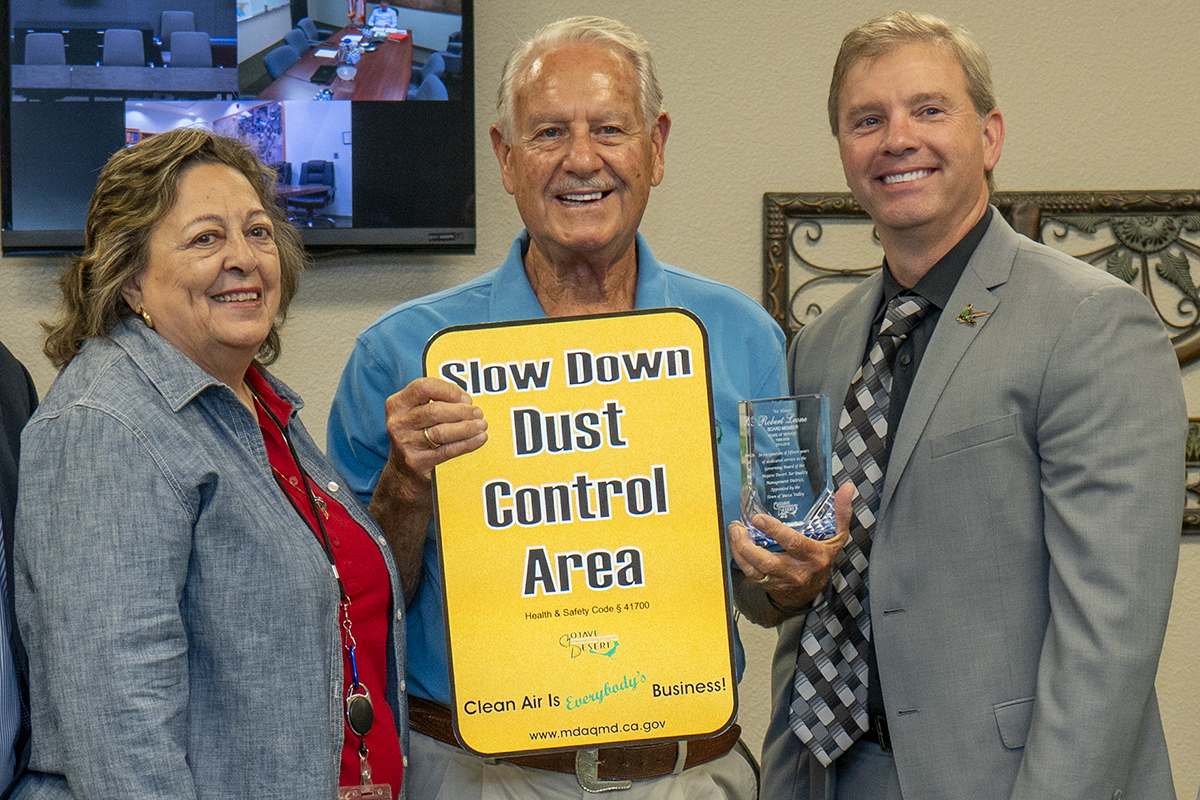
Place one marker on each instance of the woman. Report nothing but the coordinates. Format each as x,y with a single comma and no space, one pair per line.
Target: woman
187,634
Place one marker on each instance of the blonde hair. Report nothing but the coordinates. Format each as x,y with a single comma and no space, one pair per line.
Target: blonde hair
137,188
884,34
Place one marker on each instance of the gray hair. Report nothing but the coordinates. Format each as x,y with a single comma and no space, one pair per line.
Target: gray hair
607,33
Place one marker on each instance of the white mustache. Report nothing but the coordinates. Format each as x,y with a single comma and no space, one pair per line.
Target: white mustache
574,185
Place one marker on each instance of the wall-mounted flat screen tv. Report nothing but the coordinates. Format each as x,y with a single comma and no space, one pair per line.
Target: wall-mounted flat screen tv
365,110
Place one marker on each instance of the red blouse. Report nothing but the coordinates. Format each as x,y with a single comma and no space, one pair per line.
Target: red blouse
365,577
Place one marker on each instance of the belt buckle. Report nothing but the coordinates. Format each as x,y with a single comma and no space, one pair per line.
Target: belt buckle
879,723
587,772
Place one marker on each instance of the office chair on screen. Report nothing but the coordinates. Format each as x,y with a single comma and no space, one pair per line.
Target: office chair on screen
314,173
191,49
434,65
169,23
452,55
278,60
283,172
45,49
296,38
315,35
123,48
431,88
283,179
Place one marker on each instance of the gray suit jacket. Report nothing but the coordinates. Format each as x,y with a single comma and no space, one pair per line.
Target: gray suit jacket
1027,541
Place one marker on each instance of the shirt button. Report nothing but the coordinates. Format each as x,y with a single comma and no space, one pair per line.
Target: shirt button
382,541
336,542
399,614
293,481
403,685
332,486
404,760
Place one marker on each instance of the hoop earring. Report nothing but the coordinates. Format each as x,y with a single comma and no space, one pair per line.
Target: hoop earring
146,318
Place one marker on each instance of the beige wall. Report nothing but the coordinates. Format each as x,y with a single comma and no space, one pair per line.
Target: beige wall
1097,95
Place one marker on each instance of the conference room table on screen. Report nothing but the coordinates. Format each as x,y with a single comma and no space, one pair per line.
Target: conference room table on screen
120,80
282,193
383,73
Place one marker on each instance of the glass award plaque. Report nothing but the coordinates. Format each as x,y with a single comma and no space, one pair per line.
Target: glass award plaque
787,472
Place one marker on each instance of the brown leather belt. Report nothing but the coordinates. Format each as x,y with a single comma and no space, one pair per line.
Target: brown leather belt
616,763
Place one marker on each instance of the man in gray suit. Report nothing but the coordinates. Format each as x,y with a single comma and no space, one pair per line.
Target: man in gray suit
1014,432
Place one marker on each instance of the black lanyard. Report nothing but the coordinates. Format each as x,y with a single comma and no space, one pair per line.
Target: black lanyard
360,715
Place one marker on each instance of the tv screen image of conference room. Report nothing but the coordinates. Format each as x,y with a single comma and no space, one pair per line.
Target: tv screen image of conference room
314,169
67,50
372,51
297,81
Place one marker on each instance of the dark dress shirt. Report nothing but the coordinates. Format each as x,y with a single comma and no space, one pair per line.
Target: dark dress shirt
936,286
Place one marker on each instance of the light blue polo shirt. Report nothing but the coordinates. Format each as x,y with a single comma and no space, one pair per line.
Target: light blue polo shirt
745,348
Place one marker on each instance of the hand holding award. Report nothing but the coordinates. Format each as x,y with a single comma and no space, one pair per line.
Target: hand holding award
786,465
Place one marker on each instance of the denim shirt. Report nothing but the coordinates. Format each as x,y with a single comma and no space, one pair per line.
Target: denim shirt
181,619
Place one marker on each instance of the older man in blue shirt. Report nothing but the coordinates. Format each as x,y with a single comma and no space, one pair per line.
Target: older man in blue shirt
580,139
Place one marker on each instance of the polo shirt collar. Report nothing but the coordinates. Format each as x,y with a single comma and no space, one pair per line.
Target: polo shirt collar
513,298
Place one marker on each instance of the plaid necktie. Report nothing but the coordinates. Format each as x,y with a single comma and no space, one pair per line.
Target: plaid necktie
830,709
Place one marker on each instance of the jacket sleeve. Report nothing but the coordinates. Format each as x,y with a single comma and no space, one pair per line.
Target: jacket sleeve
101,562
1110,433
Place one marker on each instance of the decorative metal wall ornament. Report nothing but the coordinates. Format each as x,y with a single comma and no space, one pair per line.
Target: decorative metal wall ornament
786,215
1150,240
1191,509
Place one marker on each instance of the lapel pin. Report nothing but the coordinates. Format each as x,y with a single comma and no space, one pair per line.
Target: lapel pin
969,315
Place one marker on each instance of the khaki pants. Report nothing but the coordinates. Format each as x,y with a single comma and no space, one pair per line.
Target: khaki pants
438,771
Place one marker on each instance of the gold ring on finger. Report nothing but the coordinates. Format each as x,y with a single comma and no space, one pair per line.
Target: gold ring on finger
432,444
766,577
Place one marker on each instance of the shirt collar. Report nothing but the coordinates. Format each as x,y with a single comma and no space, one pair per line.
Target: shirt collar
176,377
267,393
652,291
938,283
513,297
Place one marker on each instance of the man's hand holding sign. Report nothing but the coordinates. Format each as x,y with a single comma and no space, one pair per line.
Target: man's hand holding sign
429,422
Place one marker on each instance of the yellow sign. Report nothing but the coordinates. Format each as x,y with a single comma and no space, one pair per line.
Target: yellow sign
581,548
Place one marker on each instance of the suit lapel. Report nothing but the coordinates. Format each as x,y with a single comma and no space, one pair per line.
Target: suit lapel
850,343
988,268
830,350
